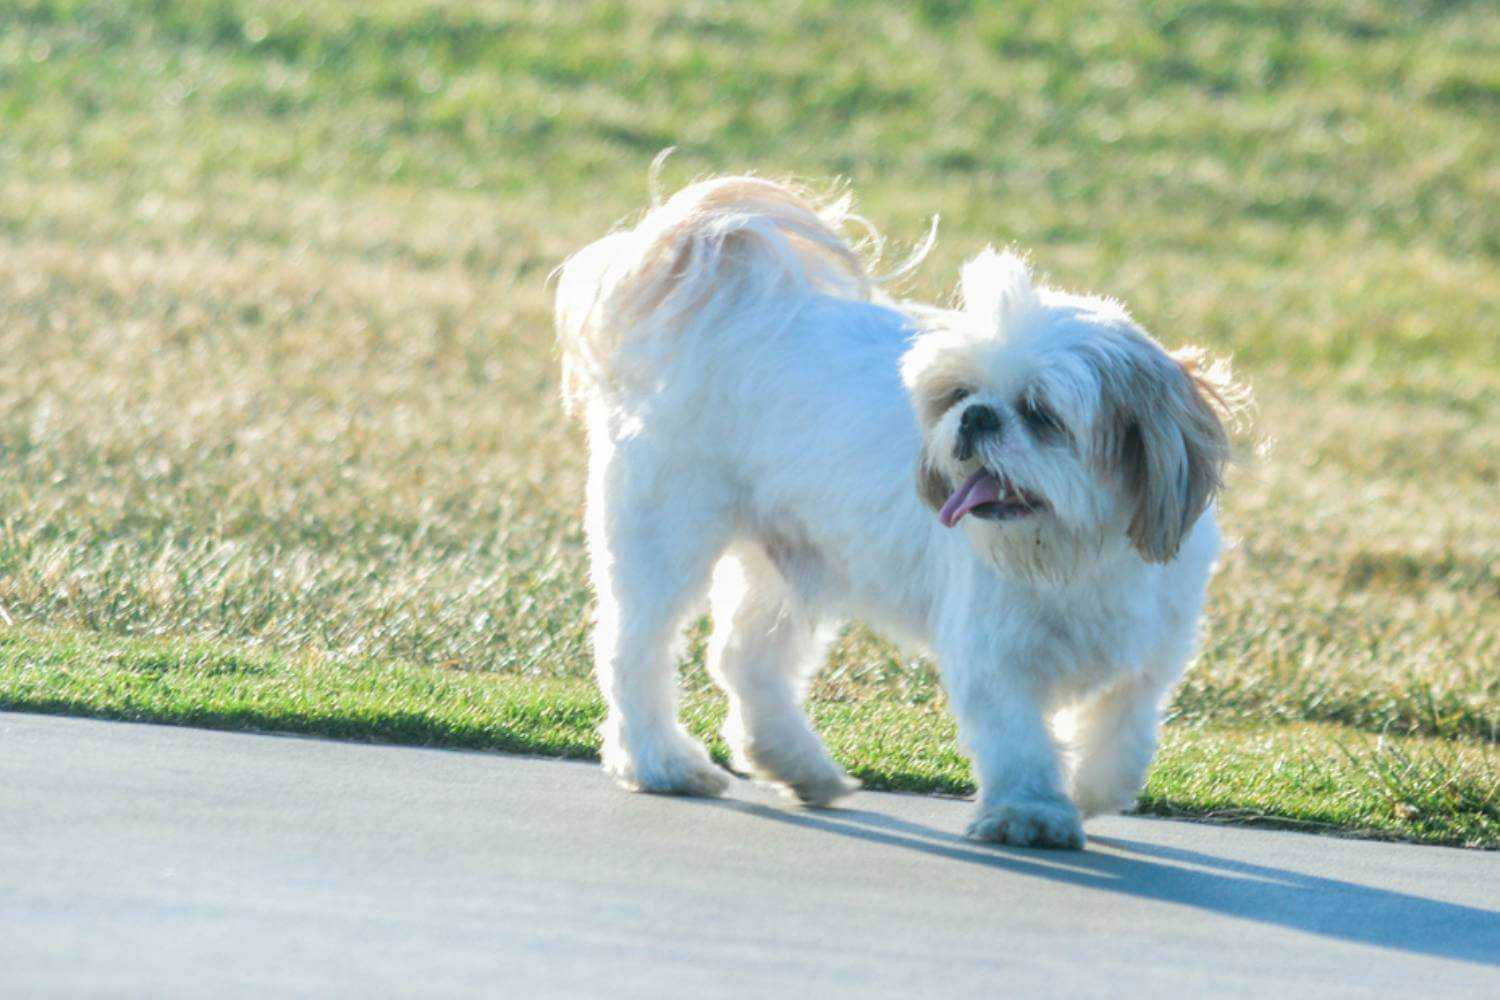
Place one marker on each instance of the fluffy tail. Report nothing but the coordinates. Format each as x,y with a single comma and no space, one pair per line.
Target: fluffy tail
731,246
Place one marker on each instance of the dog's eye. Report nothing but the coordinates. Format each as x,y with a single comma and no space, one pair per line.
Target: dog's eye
955,397
1038,417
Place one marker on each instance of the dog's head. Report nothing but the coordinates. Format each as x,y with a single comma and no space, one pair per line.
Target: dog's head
1054,427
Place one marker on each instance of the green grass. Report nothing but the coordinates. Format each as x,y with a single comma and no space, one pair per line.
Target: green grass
277,385
1301,776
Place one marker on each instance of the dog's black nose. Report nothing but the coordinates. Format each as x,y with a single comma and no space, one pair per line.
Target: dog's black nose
976,420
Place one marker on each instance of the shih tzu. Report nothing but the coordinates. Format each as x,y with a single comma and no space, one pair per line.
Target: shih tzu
1022,487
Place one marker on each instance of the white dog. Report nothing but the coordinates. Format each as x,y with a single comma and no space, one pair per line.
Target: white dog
1022,487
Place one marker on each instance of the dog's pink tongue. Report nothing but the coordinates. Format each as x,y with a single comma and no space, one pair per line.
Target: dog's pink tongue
982,487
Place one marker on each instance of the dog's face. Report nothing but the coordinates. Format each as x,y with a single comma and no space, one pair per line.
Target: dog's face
1054,427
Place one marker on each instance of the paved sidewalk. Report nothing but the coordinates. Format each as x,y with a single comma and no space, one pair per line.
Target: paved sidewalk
152,861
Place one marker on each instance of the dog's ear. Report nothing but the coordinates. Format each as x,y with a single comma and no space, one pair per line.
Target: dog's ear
934,370
1170,438
932,486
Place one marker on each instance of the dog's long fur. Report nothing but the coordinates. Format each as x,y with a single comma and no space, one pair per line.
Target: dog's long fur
760,415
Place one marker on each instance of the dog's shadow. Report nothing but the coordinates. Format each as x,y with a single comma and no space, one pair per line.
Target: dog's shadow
1330,907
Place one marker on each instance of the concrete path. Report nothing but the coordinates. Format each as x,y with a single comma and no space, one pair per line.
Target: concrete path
152,861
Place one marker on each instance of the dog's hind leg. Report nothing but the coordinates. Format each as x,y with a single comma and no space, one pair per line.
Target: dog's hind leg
654,534
765,647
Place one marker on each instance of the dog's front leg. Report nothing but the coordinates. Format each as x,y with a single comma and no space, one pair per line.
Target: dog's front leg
1114,741
1001,724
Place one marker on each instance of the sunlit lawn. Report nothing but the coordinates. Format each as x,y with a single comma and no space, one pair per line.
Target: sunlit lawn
277,386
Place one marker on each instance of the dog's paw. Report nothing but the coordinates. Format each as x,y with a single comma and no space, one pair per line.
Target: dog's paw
1104,801
822,789
670,766
1029,823
1107,783
795,761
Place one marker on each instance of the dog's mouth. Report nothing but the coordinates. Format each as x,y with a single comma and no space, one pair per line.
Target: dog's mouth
991,497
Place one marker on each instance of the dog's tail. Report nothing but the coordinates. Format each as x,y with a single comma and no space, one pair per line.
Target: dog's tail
721,249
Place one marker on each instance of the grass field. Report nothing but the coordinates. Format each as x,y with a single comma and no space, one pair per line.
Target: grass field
278,436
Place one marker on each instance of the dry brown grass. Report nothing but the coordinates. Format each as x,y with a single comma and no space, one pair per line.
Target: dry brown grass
328,422
275,349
